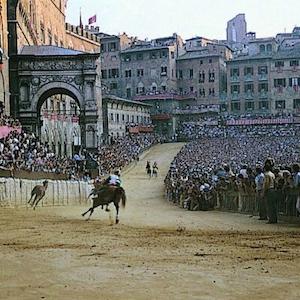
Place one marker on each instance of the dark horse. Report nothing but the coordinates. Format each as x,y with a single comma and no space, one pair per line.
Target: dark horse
39,192
105,196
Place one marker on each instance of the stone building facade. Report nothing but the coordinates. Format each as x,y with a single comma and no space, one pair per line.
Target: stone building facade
111,73
265,80
120,115
202,73
150,67
4,66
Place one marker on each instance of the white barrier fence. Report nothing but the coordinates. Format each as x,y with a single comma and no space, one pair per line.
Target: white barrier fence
16,192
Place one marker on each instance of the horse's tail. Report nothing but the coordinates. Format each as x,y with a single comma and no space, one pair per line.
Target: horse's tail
123,198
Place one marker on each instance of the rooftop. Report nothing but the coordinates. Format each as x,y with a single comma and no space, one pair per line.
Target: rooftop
118,99
48,51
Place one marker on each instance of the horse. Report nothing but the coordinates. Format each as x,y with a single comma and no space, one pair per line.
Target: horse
105,196
39,192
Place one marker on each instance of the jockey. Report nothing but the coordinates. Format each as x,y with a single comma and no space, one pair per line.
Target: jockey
114,179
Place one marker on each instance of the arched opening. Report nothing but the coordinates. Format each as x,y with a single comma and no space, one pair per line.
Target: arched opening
59,113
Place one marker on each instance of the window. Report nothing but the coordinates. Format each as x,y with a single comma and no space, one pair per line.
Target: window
139,56
140,72
172,54
235,89
49,37
104,74
201,62
263,105
191,89
262,48
210,61
280,104
296,104
295,81
202,92
117,118
201,77
263,87
103,47
249,106
211,92
191,73
269,48
164,88
249,88
113,86
128,73
279,82
294,63
234,72
43,37
128,93
163,71
113,73
248,71
211,76
112,117
127,58
153,55
112,47
236,106
279,64
180,74
163,54
262,70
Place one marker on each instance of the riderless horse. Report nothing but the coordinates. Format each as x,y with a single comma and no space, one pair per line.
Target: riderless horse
39,192
106,195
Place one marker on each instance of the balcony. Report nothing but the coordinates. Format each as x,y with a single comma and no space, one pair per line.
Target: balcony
263,94
262,77
249,95
234,78
248,77
235,96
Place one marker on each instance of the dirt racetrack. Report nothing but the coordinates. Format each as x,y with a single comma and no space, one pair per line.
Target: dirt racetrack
158,251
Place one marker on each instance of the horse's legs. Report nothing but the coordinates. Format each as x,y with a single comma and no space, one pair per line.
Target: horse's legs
91,210
117,209
37,201
86,212
34,200
30,199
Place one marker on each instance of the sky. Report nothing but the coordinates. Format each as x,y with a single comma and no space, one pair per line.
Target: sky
189,18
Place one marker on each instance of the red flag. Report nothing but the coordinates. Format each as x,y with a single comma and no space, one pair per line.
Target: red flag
92,19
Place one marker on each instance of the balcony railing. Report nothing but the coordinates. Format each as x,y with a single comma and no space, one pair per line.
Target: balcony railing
249,95
235,78
263,94
248,77
262,77
235,96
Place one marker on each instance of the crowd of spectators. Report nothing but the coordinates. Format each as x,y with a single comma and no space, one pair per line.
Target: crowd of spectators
24,151
195,130
225,159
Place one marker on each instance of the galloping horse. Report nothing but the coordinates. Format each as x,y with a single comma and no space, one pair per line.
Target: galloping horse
105,196
39,192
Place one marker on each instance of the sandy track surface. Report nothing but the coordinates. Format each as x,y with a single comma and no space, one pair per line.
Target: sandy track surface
157,252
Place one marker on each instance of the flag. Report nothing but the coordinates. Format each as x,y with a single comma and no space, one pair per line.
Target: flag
92,19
